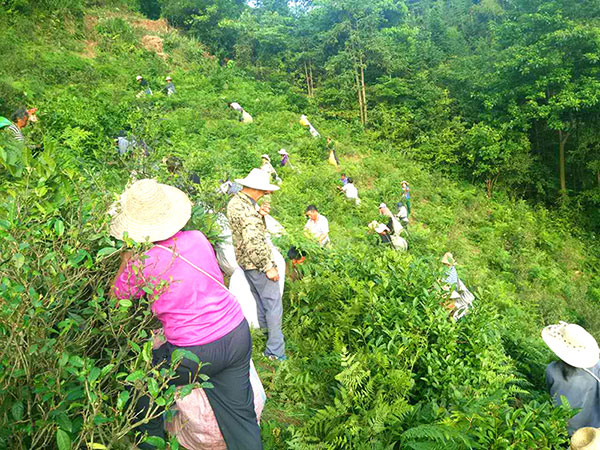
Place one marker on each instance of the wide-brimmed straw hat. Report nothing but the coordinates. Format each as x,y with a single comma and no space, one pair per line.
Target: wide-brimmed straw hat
257,179
139,77
168,79
265,156
572,344
586,438
150,211
404,182
283,151
448,259
382,205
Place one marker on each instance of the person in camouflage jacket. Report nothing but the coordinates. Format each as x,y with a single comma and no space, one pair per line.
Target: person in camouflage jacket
254,255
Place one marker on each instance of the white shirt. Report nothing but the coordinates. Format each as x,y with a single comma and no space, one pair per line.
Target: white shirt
350,190
318,228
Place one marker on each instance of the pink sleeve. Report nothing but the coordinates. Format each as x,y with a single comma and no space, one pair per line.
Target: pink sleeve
129,284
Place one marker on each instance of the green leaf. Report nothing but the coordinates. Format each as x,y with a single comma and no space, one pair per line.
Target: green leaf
106,251
63,440
156,441
125,303
59,227
122,400
94,374
96,446
152,387
17,410
137,375
64,422
106,369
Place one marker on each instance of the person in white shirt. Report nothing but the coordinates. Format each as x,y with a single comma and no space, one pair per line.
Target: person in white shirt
350,190
317,225
243,117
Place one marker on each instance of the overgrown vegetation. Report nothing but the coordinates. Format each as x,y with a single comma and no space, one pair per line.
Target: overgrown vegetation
374,361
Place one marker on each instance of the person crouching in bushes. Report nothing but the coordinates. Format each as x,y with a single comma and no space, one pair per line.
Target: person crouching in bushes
576,375
460,298
297,258
350,191
197,312
402,213
387,237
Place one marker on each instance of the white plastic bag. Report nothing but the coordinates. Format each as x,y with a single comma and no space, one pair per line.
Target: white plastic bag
195,424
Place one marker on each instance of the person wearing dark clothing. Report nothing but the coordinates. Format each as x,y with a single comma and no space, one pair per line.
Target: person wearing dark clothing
576,375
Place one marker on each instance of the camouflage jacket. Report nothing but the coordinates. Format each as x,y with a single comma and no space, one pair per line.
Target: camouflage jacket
249,234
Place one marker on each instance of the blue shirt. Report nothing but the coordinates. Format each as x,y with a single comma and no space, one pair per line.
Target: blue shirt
582,391
451,276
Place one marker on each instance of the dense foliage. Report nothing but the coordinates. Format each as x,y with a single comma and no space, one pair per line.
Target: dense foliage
503,93
374,360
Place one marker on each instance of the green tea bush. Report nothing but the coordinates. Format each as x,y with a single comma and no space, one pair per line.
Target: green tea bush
375,362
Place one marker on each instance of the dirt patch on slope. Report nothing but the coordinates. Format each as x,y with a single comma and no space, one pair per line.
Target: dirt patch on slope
156,26
153,44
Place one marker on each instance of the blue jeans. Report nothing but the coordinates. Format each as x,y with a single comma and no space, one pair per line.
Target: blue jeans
269,308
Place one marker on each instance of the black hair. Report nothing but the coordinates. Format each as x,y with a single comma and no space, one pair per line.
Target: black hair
311,208
19,114
350,180
295,253
567,370
342,174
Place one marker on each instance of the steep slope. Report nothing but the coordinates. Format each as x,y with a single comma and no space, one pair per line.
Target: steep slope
374,360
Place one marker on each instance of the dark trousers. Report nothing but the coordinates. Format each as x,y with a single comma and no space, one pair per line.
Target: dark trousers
269,309
228,366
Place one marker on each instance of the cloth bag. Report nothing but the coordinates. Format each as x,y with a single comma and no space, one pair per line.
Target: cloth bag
195,424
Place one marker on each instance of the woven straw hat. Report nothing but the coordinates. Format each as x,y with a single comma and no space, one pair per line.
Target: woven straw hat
283,151
168,79
572,344
150,211
586,438
448,259
257,179
382,205
139,77
265,156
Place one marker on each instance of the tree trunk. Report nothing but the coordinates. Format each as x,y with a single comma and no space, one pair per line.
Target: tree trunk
364,96
360,100
312,80
562,140
306,76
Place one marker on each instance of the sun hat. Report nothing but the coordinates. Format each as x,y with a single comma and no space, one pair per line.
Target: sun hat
404,182
139,77
448,259
168,79
586,438
572,344
283,151
151,211
382,205
265,156
372,225
380,228
257,179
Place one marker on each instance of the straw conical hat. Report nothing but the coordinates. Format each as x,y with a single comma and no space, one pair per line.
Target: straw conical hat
587,438
150,211
572,344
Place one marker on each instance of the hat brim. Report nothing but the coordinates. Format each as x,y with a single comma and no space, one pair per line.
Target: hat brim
178,213
585,357
261,187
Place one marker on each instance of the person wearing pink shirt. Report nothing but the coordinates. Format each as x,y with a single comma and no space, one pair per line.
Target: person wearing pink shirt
197,312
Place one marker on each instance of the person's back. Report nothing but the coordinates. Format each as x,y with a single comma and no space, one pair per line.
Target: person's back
580,388
194,309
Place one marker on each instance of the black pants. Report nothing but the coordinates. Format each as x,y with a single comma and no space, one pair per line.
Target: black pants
231,398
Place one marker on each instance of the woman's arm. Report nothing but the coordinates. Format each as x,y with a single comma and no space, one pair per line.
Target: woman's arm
125,257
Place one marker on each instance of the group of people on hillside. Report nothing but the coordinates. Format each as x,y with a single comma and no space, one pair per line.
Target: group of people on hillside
199,313
168,89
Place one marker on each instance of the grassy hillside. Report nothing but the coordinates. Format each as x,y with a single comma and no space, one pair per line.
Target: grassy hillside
374,361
